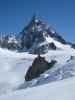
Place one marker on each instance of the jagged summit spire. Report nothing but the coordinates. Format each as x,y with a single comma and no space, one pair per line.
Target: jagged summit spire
33,24
35,18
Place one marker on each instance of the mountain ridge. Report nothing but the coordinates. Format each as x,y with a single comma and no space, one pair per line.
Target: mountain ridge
36,37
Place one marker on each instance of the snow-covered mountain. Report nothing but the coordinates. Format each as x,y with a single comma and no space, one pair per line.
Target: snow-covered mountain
36,38
39,37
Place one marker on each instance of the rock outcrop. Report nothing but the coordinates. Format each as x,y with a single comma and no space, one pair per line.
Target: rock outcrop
39,66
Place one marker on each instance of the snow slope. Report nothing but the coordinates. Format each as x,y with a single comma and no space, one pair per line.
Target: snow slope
13,67
62,90
58,44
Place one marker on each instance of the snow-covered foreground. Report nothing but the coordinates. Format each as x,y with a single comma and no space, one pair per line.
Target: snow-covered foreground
62,90
13,67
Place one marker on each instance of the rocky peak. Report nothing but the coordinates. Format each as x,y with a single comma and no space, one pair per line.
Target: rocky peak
36,33
35,19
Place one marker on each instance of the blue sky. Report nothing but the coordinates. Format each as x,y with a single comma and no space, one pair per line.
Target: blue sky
15,14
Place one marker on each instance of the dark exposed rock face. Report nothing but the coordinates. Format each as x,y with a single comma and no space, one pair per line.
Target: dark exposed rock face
39,66
52,46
